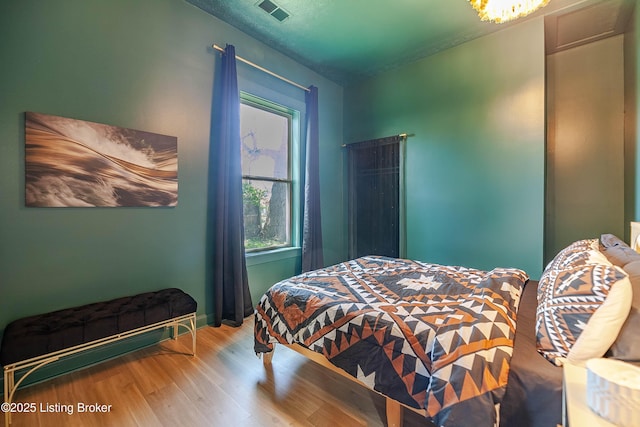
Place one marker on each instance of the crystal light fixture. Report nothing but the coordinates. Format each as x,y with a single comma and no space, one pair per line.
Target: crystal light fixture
505,10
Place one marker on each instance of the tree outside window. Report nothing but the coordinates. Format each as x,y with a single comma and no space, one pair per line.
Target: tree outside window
265,131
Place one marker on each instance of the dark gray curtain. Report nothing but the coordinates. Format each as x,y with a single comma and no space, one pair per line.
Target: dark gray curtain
374,197
312,257
232,299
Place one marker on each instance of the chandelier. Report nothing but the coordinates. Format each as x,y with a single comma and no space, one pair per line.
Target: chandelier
505,10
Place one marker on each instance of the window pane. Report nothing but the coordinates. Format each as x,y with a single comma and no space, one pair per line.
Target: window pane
266,214
265,143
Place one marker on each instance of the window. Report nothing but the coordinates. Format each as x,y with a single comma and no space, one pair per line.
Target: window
266,133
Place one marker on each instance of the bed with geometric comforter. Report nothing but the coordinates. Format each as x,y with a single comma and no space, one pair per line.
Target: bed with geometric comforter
432,337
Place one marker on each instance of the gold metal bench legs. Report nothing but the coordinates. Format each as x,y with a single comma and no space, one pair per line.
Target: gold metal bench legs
188,321
191,327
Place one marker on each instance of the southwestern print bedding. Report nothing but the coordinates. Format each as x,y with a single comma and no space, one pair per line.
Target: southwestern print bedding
432,337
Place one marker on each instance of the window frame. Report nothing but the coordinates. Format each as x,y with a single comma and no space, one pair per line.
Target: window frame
293,170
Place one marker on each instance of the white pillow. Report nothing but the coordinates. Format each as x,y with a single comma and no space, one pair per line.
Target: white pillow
604,325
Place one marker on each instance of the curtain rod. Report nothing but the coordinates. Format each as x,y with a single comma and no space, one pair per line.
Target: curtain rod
278,76
401,136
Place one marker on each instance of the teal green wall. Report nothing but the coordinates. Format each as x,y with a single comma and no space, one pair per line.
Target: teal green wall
145,65
475,165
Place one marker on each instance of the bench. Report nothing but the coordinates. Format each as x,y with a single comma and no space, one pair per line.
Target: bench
35,341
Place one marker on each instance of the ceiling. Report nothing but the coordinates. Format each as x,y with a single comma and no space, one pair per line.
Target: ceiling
347,40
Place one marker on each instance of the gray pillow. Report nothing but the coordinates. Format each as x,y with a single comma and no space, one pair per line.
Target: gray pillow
610,240
627,344
617,251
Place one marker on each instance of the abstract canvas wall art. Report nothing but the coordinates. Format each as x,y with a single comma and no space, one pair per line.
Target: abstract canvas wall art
75,163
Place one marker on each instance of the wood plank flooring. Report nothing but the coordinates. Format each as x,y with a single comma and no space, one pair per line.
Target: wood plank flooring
224,385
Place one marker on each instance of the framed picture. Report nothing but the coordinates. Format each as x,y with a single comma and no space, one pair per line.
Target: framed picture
75,163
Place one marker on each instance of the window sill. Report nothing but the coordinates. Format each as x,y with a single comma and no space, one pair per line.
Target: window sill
255,258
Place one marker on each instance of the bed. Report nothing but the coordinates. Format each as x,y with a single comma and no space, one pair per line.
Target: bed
440,340
533,396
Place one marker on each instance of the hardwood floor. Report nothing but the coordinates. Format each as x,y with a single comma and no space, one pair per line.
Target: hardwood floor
224,385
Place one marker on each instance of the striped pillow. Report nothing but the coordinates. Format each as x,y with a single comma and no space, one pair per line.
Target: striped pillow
580,310
574,253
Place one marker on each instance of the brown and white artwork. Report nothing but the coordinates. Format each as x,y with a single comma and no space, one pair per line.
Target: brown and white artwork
75,163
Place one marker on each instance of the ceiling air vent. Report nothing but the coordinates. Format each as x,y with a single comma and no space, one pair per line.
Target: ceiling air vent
273,9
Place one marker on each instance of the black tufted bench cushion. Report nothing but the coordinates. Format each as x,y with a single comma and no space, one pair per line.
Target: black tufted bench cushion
35,341
34,336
